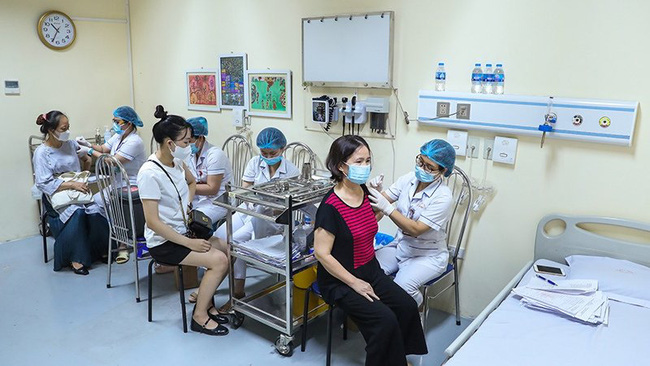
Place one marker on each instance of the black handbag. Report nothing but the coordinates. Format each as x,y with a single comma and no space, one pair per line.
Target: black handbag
199,226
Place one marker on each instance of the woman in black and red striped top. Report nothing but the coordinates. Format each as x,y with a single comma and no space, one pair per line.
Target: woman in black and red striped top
348,273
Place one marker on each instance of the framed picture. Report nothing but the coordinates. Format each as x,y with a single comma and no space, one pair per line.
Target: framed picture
233,86
269,93
202,90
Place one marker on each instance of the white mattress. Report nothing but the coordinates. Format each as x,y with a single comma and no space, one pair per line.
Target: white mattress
515,335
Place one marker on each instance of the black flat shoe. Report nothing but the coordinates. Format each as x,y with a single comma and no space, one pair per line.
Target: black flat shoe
81,270
220,330
218,318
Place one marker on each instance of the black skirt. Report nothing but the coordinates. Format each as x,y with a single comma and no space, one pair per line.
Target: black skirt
169,253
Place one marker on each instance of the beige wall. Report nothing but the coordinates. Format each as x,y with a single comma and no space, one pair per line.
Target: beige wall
85,81
548,48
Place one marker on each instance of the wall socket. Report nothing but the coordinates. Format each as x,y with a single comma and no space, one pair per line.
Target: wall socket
442,109
488,148
472,147
462,110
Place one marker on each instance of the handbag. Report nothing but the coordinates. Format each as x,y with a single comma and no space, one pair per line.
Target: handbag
198,225
69,197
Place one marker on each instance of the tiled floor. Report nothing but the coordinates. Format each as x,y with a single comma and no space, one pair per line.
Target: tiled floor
59,318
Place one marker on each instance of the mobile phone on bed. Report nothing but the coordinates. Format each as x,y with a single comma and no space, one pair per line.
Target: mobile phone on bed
557,271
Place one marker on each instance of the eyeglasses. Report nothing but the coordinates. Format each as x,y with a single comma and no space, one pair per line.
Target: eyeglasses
120,122
427,167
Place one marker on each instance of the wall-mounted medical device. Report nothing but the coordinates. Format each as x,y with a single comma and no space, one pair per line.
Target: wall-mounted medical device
354,112
601,121
377,109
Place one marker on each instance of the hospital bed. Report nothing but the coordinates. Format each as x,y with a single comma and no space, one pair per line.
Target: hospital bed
507,333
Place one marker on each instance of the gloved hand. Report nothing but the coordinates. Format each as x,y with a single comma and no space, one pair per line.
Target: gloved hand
83,151
378,201
82,141
377,182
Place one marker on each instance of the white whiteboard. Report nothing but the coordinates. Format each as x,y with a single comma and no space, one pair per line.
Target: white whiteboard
348,50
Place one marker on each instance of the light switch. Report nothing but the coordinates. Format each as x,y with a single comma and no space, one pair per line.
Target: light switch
12,87
458,139
505,150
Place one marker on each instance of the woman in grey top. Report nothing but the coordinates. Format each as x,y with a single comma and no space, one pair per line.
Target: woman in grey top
80,231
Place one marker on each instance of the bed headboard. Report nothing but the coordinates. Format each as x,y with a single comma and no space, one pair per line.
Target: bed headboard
576,240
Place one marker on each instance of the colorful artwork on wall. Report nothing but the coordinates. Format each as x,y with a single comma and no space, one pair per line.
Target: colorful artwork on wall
269,93
232,68
202,93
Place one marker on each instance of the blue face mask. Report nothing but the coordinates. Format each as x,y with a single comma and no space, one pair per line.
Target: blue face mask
272,161
118,130
424,176
358,174
194,148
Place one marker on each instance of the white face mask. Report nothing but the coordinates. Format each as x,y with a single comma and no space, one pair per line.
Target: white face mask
63,136
182,152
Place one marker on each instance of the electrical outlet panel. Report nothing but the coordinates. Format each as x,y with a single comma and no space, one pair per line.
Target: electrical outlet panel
462,110
442,109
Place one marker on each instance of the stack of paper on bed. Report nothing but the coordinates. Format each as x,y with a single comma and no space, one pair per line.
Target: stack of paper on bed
577,299
269,250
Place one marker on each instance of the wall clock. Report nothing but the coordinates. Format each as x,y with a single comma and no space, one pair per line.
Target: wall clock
56,30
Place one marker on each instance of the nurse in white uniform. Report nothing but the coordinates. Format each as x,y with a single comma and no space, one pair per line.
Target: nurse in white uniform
260,169
419,252
126,145
211,169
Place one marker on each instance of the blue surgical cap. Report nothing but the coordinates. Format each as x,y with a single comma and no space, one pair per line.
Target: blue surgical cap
271,138
441,152
128,114
199,126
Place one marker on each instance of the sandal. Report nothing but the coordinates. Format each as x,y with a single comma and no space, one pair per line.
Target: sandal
225,309
192,298
122,257
163,268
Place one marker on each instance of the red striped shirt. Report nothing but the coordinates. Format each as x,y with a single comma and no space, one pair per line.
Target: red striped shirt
362,224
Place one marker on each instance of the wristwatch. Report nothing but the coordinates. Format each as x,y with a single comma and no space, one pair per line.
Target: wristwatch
90,151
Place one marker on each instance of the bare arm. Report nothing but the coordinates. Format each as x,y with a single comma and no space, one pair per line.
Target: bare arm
211,186
191,182
323,243
86,162
246,184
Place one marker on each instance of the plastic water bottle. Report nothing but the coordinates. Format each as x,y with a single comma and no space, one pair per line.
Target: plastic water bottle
499,79
488,80
477,78
108,133
441,77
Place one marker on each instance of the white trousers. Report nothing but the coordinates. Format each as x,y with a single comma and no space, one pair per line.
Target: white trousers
242,228
412,272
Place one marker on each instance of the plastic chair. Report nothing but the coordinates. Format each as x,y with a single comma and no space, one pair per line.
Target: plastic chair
114,188
460,186
181,291
239,152
330,321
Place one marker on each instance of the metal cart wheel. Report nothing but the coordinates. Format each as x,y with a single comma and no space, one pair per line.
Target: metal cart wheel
284,345
237,319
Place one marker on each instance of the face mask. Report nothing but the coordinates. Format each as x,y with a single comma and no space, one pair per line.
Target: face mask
272,161
182,152
194,148
63,136
118,130
358,174
424,176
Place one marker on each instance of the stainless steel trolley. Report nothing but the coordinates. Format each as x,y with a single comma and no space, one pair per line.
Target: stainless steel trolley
273,306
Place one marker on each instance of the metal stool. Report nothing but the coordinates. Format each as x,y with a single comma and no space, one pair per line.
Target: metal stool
330,318
181,291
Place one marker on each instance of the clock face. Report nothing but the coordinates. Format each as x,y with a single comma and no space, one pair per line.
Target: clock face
56,30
